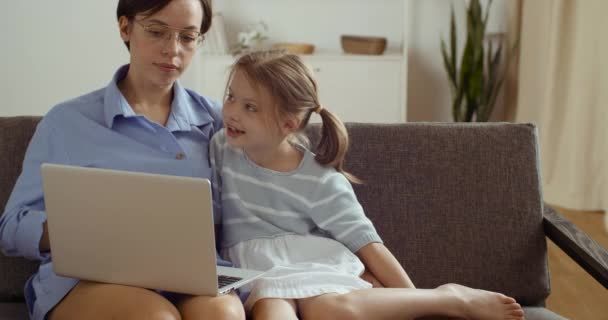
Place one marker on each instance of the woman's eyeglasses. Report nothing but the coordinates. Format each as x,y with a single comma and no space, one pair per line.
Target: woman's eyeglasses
188,39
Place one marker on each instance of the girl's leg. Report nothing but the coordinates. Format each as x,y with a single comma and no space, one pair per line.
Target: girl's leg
92,300
226,307
271,309
450,300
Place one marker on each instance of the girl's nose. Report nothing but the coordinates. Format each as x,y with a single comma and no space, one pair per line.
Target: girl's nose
230,114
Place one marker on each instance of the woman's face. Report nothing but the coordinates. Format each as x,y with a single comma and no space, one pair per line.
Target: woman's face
160,44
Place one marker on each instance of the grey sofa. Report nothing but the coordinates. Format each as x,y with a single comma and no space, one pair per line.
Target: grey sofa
454,202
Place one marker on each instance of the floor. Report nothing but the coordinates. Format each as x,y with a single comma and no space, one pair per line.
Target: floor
574,293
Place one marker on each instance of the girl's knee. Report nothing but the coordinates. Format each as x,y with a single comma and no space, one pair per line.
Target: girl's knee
270,308
330,306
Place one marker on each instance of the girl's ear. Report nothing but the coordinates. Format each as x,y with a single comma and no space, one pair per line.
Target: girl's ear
290,125
125,28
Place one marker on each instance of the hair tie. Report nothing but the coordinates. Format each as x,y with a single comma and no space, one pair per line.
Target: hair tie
318,109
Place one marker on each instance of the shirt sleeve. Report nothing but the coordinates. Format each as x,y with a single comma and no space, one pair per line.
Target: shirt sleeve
21,225
216,154
337,211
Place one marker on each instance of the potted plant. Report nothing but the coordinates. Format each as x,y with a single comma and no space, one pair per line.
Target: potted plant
477,80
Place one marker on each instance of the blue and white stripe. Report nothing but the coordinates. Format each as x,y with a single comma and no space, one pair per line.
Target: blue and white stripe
261,203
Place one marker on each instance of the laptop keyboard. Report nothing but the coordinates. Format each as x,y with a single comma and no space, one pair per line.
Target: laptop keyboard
226,280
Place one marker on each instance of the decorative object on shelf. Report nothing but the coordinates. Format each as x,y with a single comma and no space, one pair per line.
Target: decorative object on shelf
342,75
476,85
296,48
215,42
363,44
251,39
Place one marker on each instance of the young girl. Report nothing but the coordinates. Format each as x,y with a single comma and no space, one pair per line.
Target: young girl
292,212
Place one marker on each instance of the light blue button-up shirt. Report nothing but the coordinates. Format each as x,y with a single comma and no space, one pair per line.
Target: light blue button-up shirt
100,130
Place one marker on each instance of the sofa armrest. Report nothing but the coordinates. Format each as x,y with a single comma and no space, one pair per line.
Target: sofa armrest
577,244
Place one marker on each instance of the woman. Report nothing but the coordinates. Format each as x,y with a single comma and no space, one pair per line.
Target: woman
144,120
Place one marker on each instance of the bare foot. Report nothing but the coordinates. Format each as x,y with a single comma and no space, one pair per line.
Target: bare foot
484,305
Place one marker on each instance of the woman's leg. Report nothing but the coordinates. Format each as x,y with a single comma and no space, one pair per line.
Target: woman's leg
271,309
92,300
226,307
392,303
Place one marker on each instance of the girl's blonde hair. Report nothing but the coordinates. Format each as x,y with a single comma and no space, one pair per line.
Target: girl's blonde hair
294,91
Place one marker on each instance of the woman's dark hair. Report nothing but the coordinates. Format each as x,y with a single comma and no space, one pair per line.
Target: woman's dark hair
131,8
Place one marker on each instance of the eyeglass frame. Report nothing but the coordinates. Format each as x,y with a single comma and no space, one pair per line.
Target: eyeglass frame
199,38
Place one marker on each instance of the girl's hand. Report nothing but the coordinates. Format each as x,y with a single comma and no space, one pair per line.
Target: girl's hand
383,266
369,277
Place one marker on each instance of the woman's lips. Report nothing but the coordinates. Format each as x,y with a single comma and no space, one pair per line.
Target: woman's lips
166,66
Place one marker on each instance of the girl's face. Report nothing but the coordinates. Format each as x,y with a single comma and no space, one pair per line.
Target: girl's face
159,60
249,116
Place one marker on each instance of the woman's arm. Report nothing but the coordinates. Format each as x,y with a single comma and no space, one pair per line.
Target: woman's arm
23,230
384,266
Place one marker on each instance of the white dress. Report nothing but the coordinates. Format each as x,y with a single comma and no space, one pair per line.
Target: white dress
298,267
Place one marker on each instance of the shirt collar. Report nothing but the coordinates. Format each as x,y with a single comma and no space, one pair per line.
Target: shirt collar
114,103
186,110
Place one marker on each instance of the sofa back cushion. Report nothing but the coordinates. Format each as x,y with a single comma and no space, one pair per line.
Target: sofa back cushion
455,202
15,135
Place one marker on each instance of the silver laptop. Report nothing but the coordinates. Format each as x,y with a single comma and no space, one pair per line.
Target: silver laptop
139,229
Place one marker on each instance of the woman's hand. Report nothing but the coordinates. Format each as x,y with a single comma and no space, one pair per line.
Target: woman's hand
45,244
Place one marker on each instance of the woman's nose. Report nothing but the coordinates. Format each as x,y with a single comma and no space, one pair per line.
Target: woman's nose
170,45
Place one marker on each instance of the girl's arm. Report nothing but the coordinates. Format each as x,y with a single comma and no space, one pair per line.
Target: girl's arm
384,266
351,227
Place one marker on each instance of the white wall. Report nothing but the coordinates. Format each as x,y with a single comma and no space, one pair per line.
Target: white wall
55,50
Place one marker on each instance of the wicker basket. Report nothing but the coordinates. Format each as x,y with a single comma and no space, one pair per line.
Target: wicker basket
296,48
363,45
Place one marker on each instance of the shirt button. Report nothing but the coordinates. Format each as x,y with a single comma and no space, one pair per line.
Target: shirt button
180,156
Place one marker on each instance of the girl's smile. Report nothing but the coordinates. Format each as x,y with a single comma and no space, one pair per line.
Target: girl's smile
233,132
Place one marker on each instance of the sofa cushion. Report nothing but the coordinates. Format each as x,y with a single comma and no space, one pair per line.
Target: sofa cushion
15,134
13,311
540,313
455,202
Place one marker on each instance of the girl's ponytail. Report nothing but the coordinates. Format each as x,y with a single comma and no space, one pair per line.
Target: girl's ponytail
333,144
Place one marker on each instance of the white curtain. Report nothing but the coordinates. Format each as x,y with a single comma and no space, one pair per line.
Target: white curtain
563,88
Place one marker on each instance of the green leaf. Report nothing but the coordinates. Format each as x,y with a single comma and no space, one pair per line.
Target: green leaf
471,109
453,42
457,106
448,67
